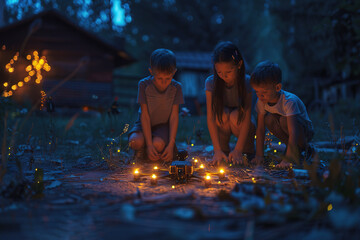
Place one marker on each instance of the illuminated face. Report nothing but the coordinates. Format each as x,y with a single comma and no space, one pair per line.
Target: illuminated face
161,79
268,93
227,71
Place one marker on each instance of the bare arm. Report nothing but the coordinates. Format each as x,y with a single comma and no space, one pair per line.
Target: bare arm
213,130
292,150
173,126
211,122
146,127
245,126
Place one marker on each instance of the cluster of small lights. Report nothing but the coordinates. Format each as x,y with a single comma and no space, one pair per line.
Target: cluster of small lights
9,67
32,69
43,99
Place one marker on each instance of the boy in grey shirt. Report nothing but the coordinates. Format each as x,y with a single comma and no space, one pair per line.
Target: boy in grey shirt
283,113
159,96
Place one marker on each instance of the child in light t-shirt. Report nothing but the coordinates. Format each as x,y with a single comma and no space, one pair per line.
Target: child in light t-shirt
159,96
282,112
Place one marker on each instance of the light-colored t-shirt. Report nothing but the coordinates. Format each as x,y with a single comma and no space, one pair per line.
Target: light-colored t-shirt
288,105
159,103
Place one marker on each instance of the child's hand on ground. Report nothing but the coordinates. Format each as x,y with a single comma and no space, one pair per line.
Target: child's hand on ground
168,153
283,164
218,157
258,160
236,157
152,153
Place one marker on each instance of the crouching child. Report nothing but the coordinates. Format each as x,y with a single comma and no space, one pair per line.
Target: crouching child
159,96
282,112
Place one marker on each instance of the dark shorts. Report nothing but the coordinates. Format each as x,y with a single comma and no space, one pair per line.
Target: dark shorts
160,130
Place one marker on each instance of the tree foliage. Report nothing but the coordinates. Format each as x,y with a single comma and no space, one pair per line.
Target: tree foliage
307,38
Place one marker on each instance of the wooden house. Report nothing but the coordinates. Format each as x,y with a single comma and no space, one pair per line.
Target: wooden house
329,92
193,69
81,63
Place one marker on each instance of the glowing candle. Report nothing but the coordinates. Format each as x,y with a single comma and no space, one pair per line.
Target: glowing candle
153,180
195,162
207,181
221,174
136,175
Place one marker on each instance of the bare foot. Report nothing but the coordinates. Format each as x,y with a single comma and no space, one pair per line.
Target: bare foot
283,165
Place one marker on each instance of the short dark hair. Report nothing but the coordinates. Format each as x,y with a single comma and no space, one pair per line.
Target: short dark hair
163,60
266,72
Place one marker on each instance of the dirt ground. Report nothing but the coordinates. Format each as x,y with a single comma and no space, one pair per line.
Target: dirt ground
90,201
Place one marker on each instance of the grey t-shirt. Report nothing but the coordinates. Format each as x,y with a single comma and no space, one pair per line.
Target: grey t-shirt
231,96
159,103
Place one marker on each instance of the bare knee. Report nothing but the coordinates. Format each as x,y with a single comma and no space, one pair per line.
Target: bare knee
233,118
225,120
136,141
270,121
159,144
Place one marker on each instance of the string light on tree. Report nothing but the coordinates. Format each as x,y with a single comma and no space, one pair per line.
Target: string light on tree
34,69
43,100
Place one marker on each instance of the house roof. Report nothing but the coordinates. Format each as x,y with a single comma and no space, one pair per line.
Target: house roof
194,60
121,56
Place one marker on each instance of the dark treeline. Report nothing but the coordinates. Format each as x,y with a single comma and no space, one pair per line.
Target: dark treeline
309,39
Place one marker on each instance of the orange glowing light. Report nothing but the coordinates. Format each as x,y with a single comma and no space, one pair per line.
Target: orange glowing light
11,61
14,87
20,84
3,47
11,70
34,63
85,108
38,81
10,93
222,171
28,57
156,168
35,53
28,68
208,177
173,186
136,171
8,66
153,176
32,73
15,58
196,160
202,166
6,84
26,79
41,61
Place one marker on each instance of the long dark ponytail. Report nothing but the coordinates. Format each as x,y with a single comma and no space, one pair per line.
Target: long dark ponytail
228,52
